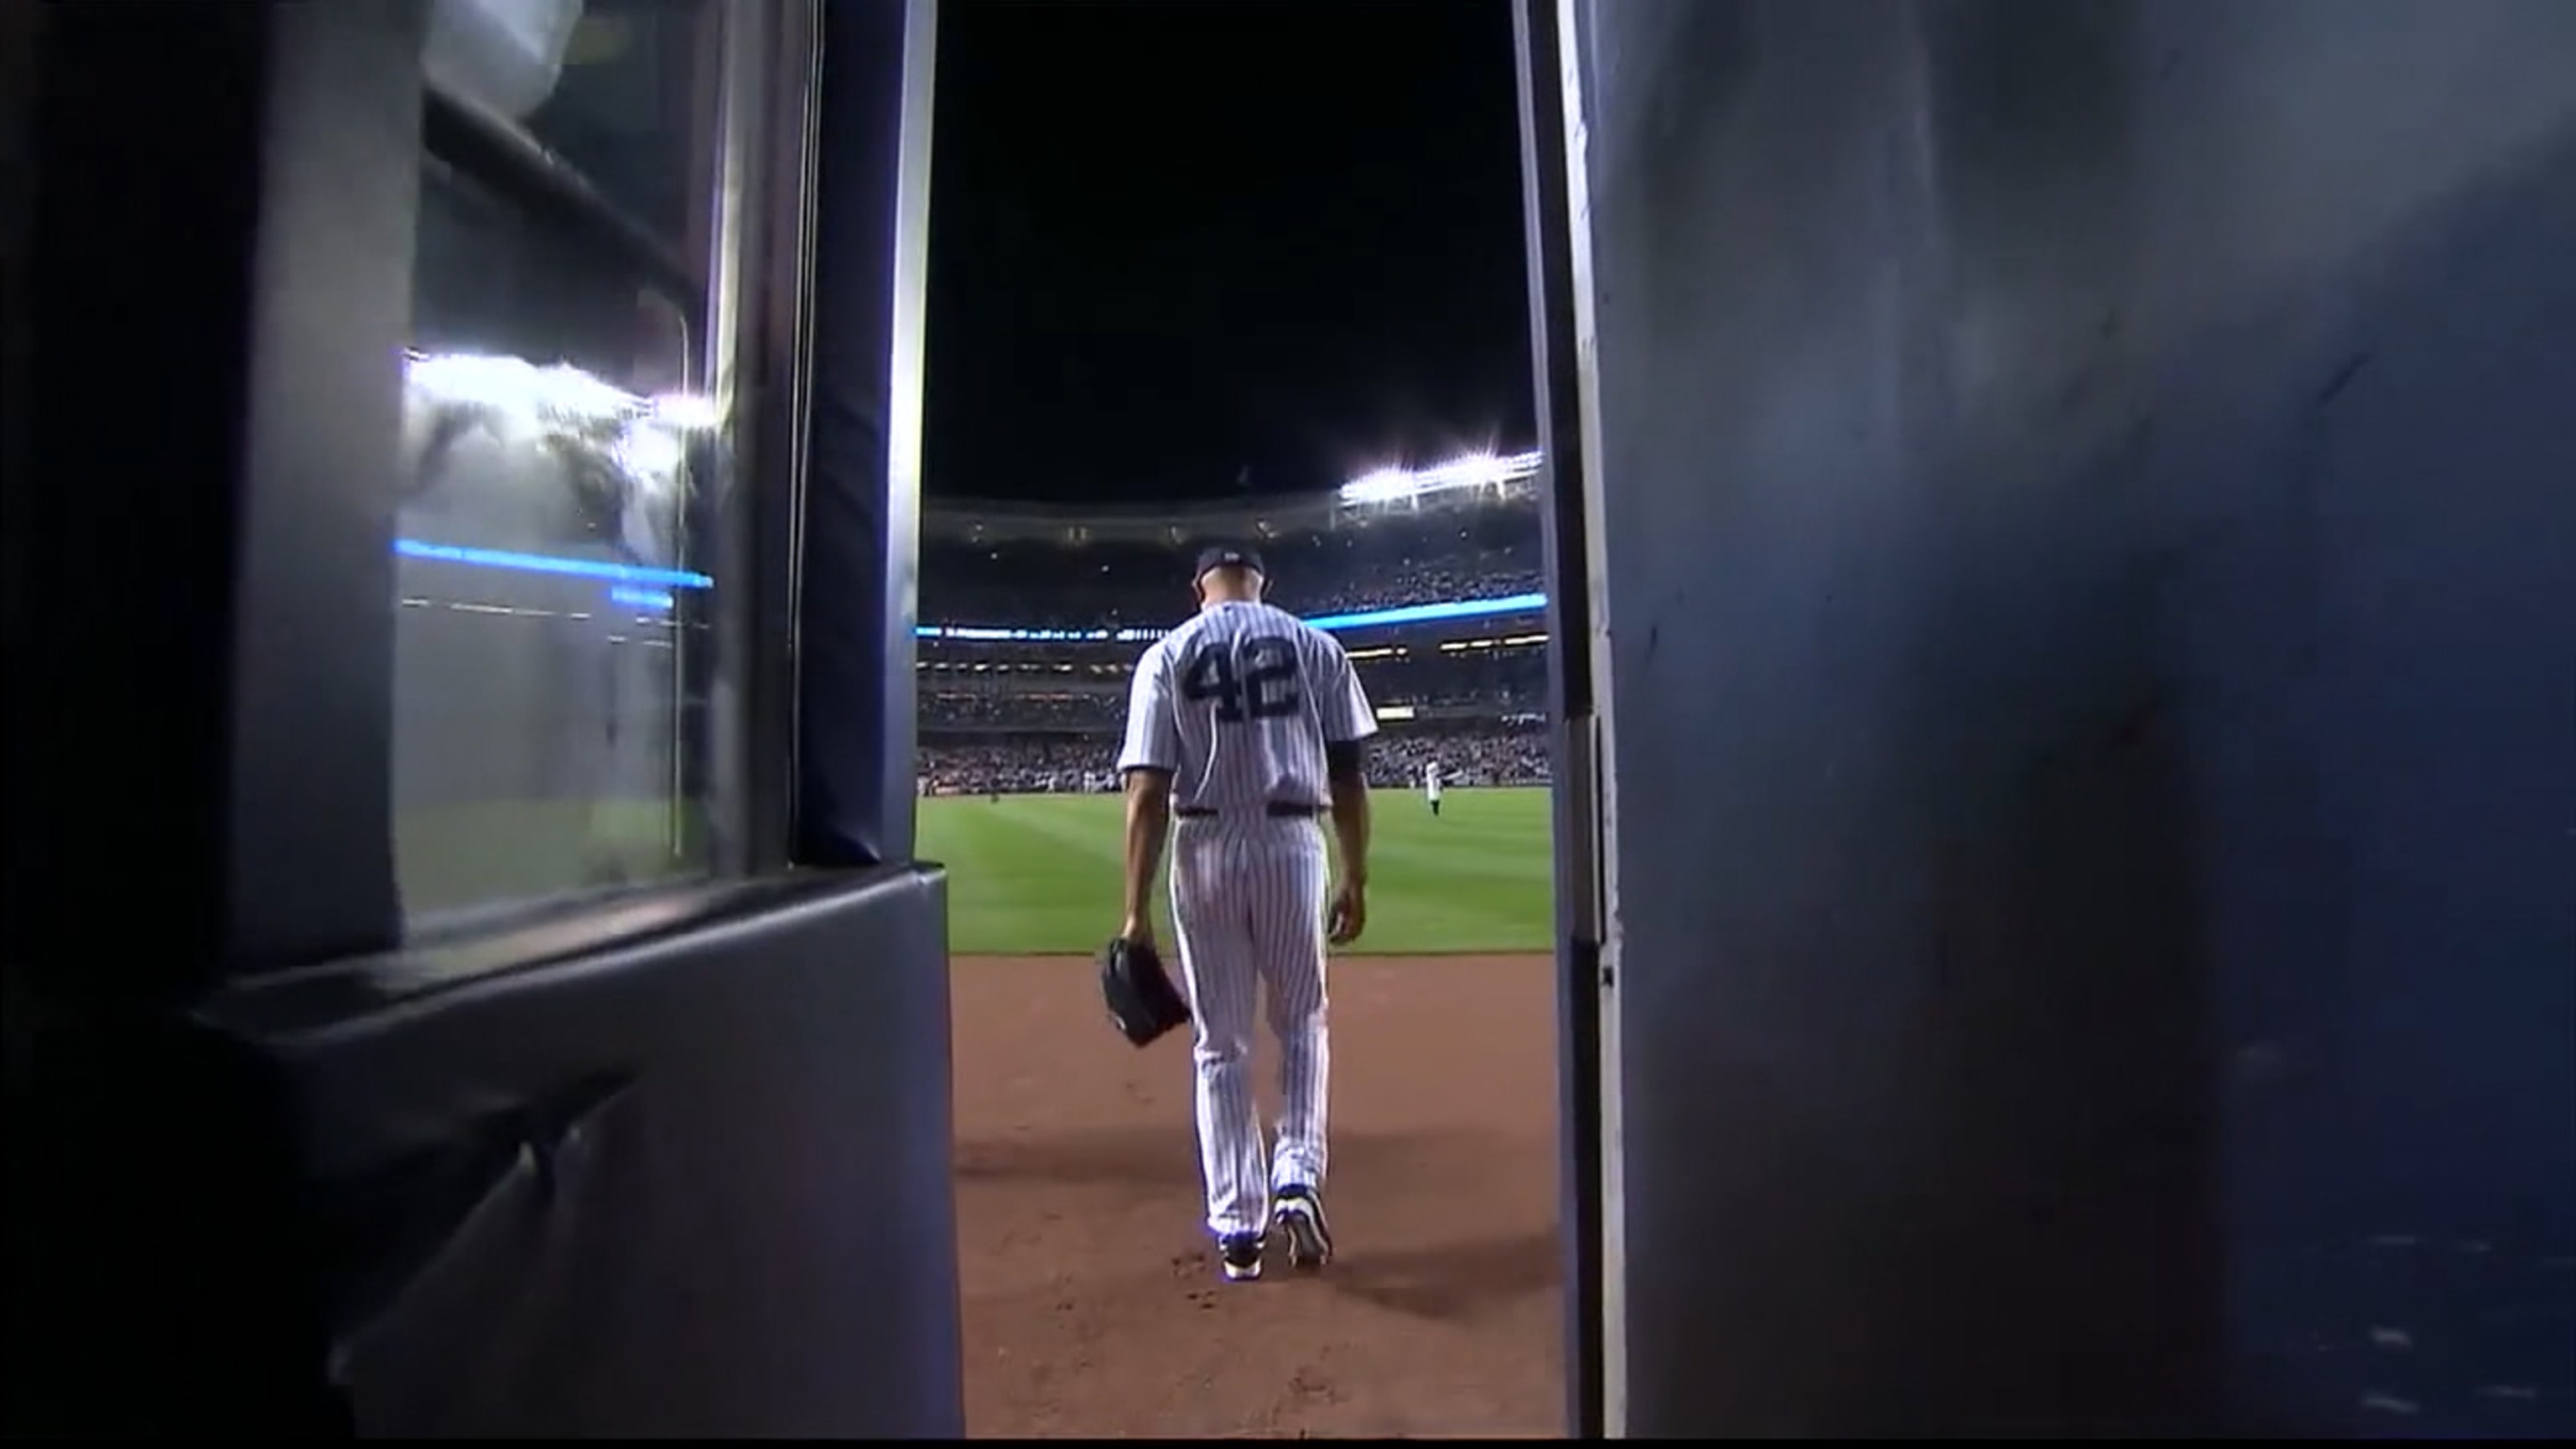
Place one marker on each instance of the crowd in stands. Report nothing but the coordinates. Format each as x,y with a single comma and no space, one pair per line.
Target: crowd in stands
1490,682
1059,765
1490,574
1107,713
975,709
1495,756
1112,585
1018,765
1504,681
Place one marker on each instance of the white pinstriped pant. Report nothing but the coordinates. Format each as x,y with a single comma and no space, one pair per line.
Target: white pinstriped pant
1248,895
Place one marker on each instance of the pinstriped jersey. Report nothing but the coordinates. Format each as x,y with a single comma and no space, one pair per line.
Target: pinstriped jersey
1238,704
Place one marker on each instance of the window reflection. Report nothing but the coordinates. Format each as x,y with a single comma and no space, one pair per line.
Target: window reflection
614,87
553,576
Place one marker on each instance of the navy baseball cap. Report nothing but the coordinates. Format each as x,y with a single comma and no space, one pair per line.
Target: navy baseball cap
1227,556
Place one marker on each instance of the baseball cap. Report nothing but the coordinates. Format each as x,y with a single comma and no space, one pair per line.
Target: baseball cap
1227,556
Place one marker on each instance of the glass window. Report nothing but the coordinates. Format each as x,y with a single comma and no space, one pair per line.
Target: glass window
553,585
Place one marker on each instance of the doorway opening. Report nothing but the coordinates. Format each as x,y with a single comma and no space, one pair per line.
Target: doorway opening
1251,276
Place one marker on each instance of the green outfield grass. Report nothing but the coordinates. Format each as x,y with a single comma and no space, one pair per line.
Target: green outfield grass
1038,874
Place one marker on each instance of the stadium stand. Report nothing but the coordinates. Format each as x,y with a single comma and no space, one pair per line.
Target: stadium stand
1033,618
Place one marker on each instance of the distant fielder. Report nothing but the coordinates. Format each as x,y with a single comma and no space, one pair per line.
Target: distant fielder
1245,727
1431,785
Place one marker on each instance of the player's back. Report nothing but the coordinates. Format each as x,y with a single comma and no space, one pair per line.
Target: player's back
1254,694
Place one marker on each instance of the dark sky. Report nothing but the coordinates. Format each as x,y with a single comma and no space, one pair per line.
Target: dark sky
1175,241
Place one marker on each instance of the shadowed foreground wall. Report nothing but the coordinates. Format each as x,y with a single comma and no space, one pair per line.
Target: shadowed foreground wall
2092,504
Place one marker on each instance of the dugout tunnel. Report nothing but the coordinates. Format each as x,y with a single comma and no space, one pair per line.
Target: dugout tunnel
2069,901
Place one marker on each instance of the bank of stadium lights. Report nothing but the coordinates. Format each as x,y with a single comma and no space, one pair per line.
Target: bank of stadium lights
1476,470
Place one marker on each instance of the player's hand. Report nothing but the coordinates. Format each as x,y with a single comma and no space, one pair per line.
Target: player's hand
1350,913
1138,930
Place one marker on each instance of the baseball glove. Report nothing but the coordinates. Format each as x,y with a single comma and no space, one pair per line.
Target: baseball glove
1143,1003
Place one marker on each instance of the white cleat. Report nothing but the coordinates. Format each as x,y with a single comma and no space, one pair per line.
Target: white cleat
1299,1217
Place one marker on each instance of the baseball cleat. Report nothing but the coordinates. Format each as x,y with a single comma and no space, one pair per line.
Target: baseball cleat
1299,1216
1240,1256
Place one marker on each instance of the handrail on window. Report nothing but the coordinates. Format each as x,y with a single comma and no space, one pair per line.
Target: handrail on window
486,148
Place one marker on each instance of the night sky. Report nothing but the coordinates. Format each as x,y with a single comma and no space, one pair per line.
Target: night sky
1205,248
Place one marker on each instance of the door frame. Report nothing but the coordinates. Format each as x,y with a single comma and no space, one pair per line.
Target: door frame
1556,212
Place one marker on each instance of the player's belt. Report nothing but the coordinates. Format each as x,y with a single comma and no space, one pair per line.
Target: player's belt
1276,810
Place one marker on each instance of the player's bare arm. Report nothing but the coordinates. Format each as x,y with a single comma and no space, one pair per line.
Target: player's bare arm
1347,764
1149,821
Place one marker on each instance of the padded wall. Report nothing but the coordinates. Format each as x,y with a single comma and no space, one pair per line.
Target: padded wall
2091,505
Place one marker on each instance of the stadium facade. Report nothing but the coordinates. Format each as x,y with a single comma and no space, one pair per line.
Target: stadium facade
1032,618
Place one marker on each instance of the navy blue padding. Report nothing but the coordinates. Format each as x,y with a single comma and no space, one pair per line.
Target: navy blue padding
854,689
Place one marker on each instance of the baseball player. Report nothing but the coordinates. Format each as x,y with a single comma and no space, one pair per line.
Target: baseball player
1245,727
1431,784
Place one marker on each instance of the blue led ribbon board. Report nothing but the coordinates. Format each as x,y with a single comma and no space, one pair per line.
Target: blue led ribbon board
1432,613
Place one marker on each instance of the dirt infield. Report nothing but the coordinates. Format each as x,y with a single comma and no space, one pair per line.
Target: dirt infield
1092,1307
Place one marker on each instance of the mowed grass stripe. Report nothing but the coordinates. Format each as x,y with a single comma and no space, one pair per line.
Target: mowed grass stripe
1038,874
1025,876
